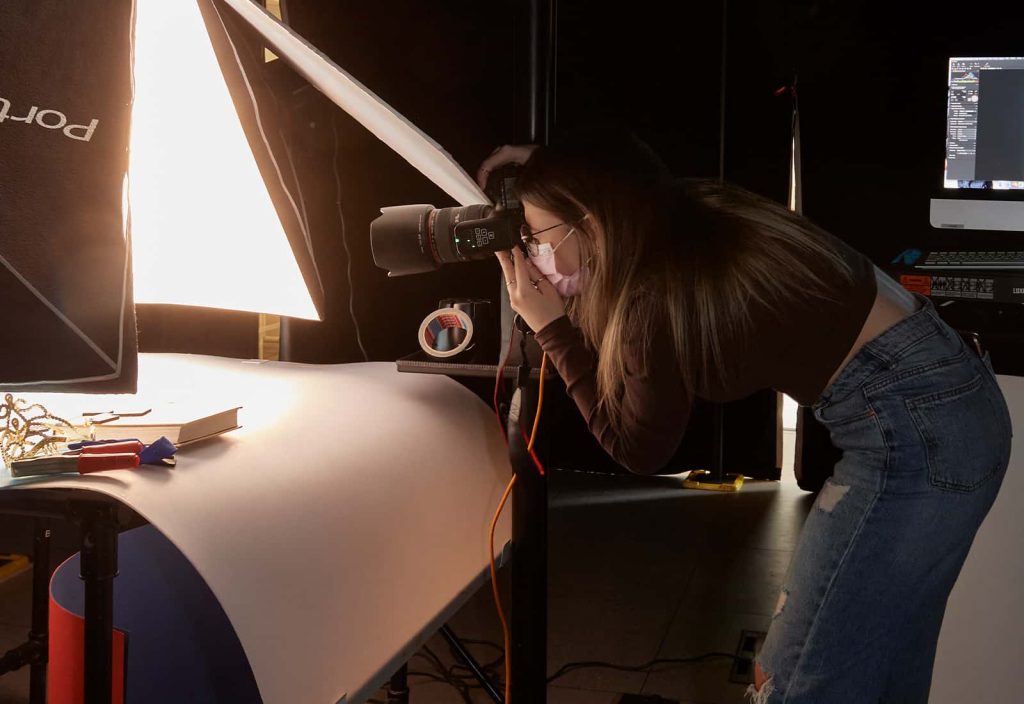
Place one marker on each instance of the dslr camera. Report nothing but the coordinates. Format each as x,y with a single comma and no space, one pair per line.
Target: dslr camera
413,239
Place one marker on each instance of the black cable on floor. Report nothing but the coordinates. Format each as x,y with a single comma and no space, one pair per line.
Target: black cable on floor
459,684
570,667
447,675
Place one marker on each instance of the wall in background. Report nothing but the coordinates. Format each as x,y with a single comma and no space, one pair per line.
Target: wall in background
871,81
871,84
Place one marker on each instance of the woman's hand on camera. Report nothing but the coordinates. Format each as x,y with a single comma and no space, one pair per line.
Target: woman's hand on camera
529,292
507,154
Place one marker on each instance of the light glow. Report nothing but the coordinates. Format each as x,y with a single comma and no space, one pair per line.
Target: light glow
204,229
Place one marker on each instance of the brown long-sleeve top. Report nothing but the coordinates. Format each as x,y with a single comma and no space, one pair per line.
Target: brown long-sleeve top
794,351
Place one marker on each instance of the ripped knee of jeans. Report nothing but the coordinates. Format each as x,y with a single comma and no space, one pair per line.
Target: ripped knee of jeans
830,495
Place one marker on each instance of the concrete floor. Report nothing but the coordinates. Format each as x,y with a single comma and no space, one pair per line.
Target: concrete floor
640,568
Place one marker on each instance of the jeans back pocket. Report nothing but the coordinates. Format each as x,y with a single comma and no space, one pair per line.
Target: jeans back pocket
965,433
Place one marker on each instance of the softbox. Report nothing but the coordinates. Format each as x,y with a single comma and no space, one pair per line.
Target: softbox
67,319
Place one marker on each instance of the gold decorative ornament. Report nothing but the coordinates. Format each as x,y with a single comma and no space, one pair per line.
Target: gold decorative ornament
29,430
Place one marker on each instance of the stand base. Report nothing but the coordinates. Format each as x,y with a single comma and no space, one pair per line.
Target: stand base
701,479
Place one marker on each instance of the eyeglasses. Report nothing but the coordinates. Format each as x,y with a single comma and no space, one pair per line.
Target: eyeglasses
530,240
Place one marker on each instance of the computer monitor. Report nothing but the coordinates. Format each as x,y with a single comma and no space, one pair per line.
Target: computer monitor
983,182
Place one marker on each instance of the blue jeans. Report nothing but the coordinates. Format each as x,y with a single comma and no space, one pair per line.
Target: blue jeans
925,436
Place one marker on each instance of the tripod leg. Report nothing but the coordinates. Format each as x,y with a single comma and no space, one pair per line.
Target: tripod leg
472,664
99,567
528,622
39,634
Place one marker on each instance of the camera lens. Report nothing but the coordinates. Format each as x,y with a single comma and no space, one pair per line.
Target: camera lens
411,239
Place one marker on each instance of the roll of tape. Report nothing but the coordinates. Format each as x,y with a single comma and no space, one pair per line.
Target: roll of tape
446,332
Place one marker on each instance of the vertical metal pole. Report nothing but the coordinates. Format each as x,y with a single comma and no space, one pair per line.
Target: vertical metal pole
536,129
39,635
718,439
529,607
528,658
99,567
721,93
532,125
542,66
718,446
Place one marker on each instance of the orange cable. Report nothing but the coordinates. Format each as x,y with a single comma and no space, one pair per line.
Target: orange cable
497,598
540,402
506,638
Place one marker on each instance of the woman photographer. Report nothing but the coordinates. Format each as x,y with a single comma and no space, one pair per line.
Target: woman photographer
646,291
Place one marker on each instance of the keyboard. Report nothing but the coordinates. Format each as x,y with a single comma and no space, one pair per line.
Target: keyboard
972,260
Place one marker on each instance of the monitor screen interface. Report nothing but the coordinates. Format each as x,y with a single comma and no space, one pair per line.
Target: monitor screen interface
985,124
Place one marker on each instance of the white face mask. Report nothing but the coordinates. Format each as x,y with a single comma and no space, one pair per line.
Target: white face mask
544,260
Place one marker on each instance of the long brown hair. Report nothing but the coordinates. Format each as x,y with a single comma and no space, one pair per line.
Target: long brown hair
683,257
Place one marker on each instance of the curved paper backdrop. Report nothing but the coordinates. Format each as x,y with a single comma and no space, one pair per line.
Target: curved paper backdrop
340,526
66,315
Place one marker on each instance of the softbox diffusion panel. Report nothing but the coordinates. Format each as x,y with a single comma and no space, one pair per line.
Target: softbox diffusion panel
67,319
239,52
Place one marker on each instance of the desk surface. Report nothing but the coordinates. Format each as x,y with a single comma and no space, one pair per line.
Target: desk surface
347,515
420,363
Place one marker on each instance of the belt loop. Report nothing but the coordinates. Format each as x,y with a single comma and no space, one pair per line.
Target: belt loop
888,360
943,326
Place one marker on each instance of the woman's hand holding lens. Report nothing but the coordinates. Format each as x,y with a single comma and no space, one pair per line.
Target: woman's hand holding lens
529,292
